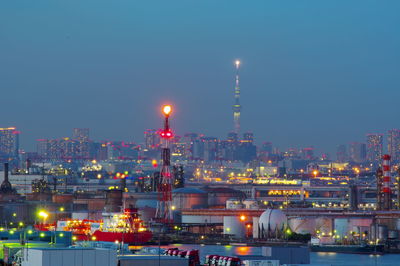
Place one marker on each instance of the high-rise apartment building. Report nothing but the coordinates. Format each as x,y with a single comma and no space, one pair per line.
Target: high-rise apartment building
9,143
210,148
374,147
152,139
82,148
393,140
341,154
358,152
81,134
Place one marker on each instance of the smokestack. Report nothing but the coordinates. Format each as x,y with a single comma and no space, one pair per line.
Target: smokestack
386,182
6,172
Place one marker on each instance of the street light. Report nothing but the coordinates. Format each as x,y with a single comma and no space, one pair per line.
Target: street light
43,215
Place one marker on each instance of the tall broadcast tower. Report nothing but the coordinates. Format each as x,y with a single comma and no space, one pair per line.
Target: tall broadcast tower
237,107
164,206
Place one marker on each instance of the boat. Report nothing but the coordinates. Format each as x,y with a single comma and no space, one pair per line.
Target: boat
354,249
124,227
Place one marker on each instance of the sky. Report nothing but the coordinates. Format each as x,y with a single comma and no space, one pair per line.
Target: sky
314,73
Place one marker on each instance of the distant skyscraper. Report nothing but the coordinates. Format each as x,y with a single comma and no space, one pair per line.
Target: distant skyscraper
341,154
9,143
232,137
82,149
374,147
358,152
210,148
307,153
267,147
237,107
248,136
152,139
394,144
81,134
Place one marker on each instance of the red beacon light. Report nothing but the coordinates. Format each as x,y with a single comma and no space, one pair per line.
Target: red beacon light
166,134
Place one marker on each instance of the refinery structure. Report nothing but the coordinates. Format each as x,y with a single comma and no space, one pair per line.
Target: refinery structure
198,190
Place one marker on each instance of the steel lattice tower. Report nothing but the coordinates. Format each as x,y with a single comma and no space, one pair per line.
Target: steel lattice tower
237,107
164,205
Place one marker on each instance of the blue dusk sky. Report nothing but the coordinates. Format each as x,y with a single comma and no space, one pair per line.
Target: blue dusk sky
314,73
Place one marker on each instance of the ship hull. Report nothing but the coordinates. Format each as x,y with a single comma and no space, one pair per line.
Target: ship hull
379,249
130,238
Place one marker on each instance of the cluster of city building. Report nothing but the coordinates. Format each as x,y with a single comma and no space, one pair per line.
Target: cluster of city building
201,155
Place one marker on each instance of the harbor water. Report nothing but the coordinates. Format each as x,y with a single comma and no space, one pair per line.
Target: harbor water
317,258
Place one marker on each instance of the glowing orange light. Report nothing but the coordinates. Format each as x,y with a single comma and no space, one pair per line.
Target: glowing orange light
315,172
167,109
242,218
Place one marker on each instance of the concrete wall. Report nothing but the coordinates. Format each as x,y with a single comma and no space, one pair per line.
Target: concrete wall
70,257
152,260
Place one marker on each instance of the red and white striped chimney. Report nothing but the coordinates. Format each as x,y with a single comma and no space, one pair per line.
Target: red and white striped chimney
386,174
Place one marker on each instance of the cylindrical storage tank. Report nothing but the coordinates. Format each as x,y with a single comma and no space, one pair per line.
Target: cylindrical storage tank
373,232
147,213
341,227
189,198
324,225
113,200
218,196
250,204
393,234
233,204
62,198
271,222
301,225
382,232
233,225
256,232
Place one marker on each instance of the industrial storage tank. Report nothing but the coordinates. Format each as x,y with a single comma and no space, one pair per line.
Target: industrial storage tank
382,232
393,234
234,204
342,227
189,198
113,200
271,221
302,225
233,225
219,195
324,225
62,198
147,213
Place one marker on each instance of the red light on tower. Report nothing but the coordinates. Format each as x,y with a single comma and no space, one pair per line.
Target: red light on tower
166,134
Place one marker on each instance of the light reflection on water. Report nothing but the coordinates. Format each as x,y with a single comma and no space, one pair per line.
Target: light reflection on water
319,258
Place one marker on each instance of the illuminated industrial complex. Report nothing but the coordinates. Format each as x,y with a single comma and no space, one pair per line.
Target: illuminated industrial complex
199,189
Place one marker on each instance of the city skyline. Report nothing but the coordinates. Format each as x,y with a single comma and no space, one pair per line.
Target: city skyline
102,71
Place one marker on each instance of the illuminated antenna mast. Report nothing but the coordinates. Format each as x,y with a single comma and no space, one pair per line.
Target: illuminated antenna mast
164,205
237,107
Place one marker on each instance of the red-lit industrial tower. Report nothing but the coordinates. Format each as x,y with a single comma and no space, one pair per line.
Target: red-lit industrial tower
387,199
164,205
